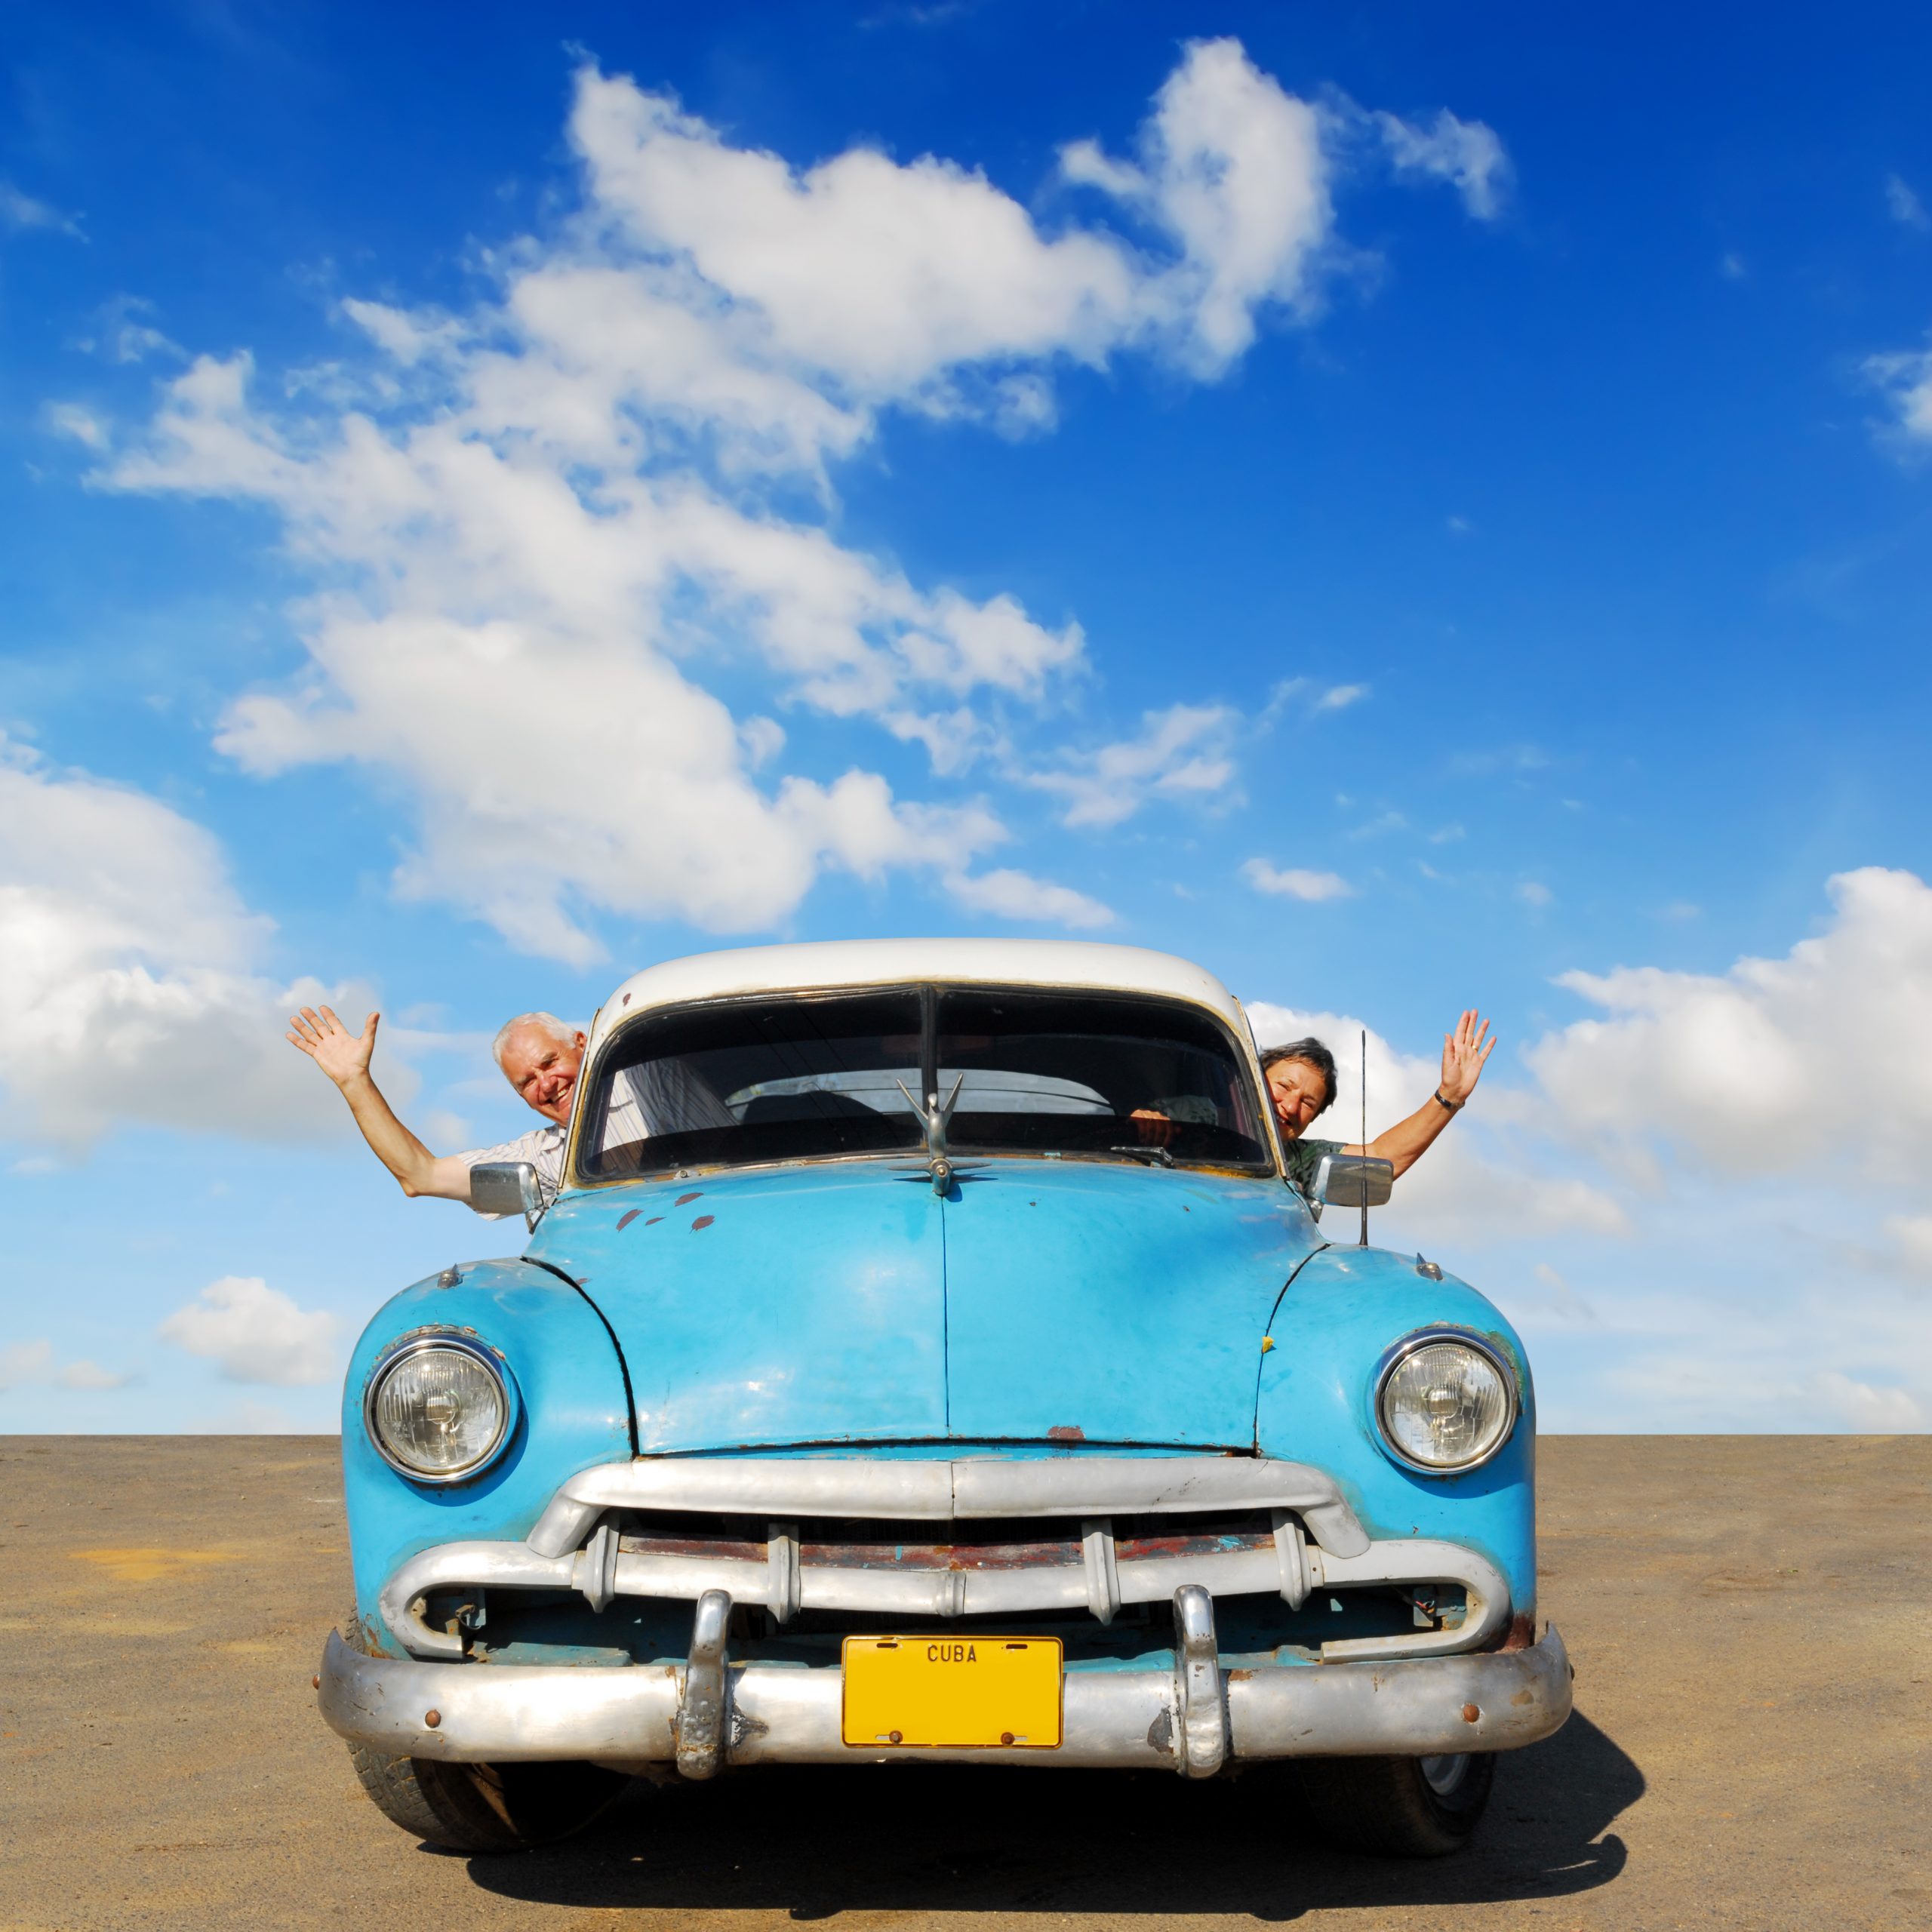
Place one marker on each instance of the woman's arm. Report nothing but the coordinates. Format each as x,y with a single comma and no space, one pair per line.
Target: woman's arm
1464,1052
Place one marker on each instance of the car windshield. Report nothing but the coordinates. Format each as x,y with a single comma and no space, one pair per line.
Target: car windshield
1086,1073
783,1078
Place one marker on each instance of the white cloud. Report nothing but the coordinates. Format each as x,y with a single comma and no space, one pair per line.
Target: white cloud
408,338
1514,759
1488,1178
1305,694
1904,206
246,1417
1338,697
1871,1408
1567,1301
1008,894
1466,154
128,986
547,518
1906,379
1911,1236
90,1376
21,210
512,614
1774,1277
1182,752
121,332
1231,168
1775,1065
1295,883
1534,892
1703,1325
1380,826
27,1362
70,419
24,1362
255,1333
879,275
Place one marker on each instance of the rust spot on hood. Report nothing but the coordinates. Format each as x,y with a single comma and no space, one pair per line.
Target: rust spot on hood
654,1221
703,1221
683,1198
625,1221
1066,1432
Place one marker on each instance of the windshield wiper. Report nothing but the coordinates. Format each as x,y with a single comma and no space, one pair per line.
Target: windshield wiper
1159,1154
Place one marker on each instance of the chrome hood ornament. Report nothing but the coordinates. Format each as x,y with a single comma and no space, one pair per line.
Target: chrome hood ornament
939,1168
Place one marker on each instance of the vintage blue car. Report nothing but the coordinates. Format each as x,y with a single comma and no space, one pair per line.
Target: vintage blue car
927,1358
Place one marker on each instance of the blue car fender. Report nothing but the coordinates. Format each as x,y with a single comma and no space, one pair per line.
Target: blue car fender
1336,1321
571,1411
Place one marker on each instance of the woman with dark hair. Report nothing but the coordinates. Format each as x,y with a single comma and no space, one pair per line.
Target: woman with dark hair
1301,1083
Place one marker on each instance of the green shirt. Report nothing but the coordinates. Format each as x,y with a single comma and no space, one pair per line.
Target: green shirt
1303,1157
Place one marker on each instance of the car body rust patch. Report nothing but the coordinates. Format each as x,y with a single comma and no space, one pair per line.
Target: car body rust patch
703,1221
625,1221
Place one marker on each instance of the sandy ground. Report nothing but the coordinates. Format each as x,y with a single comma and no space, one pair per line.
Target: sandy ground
1749,1616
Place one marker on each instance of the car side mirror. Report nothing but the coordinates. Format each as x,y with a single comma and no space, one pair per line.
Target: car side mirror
1353,1180
507,1187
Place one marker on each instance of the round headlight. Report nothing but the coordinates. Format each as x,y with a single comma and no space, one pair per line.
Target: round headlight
1445,1404
438,1409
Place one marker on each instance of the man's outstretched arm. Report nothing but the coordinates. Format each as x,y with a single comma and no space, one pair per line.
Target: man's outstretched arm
1464,1052
344,1057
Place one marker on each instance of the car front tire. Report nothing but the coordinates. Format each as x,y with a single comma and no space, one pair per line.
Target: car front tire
485,1807
1400,1808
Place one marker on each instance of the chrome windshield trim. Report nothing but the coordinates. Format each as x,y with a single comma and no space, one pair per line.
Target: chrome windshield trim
1239,1041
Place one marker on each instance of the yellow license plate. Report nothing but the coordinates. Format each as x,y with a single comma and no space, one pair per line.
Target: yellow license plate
959,1692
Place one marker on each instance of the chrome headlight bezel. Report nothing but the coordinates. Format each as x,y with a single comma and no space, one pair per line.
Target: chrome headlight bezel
1392,1359
406,1349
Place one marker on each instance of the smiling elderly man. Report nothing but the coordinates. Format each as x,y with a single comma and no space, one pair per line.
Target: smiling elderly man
541,1057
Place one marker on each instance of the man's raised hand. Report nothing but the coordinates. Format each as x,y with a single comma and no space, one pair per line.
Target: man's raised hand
341,1055
1463,1053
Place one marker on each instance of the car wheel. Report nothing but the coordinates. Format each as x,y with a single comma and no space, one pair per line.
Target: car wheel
485,1807
1401,1807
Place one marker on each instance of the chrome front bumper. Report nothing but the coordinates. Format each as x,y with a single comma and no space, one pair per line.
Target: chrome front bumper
708,1713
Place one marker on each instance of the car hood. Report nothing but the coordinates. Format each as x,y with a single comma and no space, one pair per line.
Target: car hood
844,1302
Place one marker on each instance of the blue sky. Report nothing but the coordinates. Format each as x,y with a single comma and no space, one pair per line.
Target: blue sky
1410,509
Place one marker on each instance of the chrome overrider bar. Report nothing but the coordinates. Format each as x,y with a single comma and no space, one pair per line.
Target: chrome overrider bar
565,1552
709,1713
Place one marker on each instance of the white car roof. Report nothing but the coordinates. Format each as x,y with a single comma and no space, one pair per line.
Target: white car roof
871,962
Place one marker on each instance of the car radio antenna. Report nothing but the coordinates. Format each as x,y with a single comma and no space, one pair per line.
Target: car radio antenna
1364,1131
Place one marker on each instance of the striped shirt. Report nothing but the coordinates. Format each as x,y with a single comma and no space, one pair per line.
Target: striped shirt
661,1097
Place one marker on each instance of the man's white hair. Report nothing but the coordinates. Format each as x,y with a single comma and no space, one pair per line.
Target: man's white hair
544,1022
